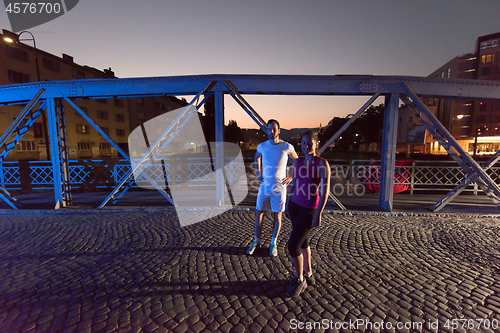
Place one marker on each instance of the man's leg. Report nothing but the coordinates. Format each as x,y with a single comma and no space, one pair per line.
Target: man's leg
277,227
258,224
278,202
258,232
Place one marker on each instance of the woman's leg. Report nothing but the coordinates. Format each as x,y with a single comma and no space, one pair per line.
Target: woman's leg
299,267
299,216
306,254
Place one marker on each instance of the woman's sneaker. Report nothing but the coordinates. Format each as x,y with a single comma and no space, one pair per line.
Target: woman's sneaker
311,280
297,287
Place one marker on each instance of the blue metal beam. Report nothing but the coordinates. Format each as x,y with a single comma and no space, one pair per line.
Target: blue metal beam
388,155
219,145
254,84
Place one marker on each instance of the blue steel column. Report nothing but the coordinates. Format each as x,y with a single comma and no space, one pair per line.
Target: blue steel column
62,145
56,170
388,156
58,149
219,144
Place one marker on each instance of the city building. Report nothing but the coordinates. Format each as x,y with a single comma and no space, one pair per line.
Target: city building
475,124
117,117
412,136
252,138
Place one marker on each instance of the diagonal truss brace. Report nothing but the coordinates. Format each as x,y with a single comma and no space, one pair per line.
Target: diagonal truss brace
247,107
158,146
453,148
5,149
349,122
21,129
9,199
98,129
465,183
338,133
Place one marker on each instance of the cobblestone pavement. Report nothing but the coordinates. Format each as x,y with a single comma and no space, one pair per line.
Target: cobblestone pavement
140,272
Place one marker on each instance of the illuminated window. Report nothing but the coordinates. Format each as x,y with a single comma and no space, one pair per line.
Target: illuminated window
488,58
84,129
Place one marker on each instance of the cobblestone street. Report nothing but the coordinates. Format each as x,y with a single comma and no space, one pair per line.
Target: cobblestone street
135,271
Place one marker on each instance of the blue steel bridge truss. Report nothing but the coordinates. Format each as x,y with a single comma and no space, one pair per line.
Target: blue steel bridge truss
49,97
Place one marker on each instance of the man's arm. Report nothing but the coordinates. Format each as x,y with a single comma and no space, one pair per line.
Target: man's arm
258,168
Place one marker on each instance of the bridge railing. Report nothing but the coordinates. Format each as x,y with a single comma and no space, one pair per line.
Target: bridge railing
354,175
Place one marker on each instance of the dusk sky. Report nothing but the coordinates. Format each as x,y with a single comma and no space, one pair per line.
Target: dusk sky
164,38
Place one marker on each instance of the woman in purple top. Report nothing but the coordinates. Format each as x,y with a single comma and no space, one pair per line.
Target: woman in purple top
310,188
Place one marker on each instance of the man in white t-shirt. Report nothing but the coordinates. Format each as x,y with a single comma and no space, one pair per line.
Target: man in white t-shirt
274,180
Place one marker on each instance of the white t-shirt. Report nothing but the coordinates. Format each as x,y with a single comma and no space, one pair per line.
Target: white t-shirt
274,160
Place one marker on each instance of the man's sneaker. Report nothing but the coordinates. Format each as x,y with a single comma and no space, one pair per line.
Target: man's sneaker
252,248
273,251
297,287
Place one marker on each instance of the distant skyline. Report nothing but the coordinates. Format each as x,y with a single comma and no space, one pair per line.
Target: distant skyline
166,38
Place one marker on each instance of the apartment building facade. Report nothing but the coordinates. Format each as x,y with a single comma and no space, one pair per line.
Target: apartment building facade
117,117
475,124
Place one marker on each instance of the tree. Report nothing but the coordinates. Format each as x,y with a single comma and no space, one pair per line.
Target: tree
209,119
232,132
367,127
370,123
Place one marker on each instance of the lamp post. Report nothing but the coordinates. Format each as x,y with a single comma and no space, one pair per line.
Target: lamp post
17,39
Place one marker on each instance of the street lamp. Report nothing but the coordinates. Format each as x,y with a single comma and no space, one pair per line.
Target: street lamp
17,38
13,38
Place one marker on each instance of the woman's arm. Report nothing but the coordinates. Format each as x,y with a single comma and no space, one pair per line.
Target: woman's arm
324,190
